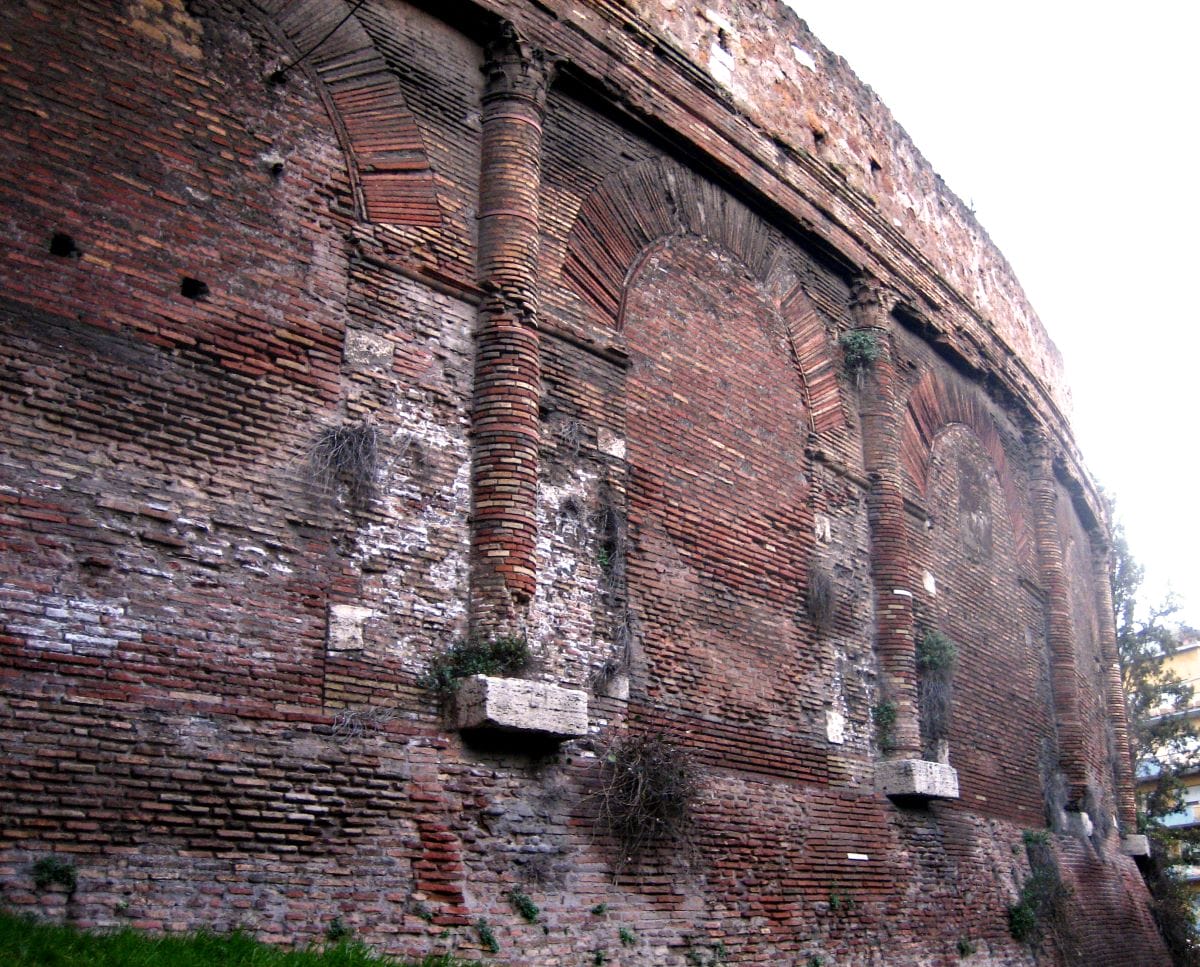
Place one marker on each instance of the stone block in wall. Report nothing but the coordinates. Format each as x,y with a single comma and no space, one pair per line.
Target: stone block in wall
1135,844
345,631
516,706
916,779
1080,824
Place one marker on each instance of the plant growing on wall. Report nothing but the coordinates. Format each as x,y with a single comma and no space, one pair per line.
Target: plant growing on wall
936,658
860,350
648,792
883,717
524,905
1042,911
708,956
487,939
502,656
50,871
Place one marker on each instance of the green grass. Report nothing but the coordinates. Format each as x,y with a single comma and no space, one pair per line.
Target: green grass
27,943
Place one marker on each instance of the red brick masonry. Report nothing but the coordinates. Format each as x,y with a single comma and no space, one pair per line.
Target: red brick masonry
331,333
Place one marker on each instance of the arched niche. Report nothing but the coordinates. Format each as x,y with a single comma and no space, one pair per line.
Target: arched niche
937,402
720,521
1001,724
620,222
387,157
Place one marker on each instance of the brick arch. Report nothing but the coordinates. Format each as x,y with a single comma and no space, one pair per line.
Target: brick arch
386,155
817,364
936,404
623,219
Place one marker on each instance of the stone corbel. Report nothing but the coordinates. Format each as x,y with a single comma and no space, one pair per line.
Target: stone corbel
514,706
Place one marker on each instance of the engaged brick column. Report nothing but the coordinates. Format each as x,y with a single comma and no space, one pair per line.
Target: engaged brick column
1123,767
504,423
1064,679
891,559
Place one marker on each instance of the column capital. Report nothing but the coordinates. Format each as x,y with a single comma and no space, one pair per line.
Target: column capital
1042,450
871,303
515,69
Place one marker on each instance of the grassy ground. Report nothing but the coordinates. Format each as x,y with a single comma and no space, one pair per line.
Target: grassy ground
26,943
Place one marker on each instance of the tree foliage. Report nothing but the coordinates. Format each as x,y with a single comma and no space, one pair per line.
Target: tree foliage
1162,735
1165,747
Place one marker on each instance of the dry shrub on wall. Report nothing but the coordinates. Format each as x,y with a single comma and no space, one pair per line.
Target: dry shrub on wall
820,598
608,525
346,458
647,795
359,723
936,658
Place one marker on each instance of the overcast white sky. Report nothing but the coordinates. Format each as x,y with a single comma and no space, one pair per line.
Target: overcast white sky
1071,129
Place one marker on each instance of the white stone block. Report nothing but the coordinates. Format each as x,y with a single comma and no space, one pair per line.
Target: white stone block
917,779
1080,824
835,726
346,626
515,705
610,443
1135,844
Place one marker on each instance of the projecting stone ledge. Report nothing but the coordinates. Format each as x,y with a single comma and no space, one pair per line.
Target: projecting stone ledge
914,779
512,705
1135,844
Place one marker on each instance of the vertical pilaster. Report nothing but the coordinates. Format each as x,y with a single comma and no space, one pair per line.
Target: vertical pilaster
504,420
1115,692
891,558
1064,678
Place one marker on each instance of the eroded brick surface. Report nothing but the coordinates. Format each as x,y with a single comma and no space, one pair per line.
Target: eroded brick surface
214,623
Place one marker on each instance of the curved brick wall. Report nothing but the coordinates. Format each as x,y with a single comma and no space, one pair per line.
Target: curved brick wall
526,319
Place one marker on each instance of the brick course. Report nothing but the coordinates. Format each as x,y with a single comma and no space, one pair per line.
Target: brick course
595,344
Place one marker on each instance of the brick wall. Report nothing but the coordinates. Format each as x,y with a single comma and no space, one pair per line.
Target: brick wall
213,629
